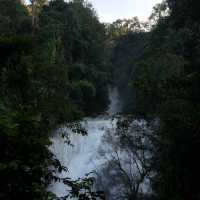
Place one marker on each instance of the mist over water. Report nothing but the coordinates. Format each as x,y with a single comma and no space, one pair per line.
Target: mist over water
83,156
90,153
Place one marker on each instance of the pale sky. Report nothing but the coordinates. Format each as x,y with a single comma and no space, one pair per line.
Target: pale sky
111,10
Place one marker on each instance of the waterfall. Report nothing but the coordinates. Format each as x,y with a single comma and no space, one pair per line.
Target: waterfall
82,156
97,150
115,102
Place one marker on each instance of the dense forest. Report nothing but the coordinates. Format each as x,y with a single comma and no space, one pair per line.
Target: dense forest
56,66
162,69
52,71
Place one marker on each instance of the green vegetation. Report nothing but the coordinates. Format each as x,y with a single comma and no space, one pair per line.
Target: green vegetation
52,71
162,69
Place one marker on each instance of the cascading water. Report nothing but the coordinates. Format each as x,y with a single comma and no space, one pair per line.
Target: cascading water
101,151
83,156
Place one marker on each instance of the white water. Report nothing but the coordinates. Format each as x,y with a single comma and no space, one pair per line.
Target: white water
83,157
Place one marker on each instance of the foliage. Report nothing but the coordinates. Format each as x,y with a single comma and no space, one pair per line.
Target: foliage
83,189
164,80
38,85
123,27
128,167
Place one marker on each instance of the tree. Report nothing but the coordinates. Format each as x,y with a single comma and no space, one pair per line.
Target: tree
166,83
36,6
129,150
36,86
123,27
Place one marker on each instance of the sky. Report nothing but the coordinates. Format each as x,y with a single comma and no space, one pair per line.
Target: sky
111,10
